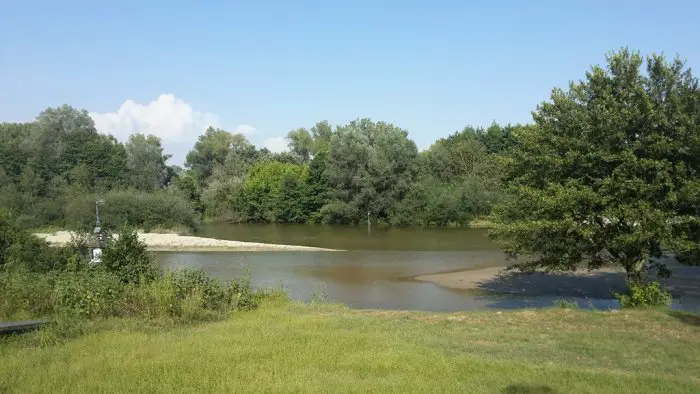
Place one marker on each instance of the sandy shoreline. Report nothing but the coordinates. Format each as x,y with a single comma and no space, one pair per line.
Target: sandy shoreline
468,279
497,280
583,283
181,243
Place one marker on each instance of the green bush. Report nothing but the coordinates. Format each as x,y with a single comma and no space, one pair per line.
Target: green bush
153,300
25,294
19,247
91,292
162,208
76,294
566,304
126,256
645,295
196,284
84,291
431,202
242,294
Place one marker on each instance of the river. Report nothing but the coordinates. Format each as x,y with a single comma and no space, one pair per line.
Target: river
377,268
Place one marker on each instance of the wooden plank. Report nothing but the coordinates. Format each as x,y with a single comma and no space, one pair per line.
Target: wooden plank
14,327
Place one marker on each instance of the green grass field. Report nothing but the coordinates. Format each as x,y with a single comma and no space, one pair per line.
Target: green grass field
301,348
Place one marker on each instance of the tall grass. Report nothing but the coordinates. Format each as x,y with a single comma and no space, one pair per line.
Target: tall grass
91,291
126,284
327,349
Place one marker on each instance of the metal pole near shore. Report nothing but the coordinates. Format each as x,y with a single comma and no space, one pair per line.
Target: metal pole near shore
369,225
99,242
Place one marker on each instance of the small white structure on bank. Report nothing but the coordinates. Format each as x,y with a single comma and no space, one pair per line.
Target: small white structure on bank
98,242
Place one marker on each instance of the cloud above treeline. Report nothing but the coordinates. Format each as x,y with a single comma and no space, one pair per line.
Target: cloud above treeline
276,144
172,119
166,117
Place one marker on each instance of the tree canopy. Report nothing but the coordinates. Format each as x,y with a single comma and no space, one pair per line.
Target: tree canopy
145,161
608,173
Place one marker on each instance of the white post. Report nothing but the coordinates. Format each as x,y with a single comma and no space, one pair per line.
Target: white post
369,229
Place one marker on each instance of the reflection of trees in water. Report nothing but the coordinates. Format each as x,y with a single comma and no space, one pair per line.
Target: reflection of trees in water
355,274
355,237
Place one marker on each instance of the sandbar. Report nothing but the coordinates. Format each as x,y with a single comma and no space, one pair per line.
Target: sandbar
157,242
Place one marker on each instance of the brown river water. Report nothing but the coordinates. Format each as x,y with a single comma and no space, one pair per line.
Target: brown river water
377,268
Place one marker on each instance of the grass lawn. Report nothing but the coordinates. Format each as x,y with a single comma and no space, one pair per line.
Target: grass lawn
301,348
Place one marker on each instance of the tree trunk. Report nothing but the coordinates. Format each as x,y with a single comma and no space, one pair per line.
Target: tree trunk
636,272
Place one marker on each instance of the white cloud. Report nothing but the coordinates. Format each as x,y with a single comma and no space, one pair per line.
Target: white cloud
276,144
167,117
173,120
245,129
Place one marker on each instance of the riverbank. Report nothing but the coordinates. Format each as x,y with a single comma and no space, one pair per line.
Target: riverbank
327,348
583,283
161,242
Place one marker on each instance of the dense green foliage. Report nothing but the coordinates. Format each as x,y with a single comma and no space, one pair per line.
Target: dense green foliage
52,171
127,283
641,295
275,192
18,247
361,171
609,172
127,257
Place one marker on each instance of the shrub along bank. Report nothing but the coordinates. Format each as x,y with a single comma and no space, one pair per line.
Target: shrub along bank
128,283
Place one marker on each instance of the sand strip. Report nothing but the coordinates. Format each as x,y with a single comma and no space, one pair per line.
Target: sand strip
496,280
182,243
468,279
685,281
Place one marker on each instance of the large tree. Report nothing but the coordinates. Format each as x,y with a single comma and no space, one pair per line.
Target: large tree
225,182
370,169
274,192
308,143
145,161
602,175
210,150
64,147
322,132
301,143
460,156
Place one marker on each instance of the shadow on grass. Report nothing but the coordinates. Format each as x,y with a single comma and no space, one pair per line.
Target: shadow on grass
528,389
692,319
514,302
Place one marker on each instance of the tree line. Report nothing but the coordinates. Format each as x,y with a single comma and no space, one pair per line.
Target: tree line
347,174
54,168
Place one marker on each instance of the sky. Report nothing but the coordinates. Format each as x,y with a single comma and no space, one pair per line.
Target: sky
172,68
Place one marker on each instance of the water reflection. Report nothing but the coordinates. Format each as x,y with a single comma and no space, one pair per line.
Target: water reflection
378,270
384,280
354,238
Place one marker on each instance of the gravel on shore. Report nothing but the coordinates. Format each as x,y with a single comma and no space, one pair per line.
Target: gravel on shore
183,243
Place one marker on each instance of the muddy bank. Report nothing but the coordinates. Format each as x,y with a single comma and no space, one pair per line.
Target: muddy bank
685,281
181,243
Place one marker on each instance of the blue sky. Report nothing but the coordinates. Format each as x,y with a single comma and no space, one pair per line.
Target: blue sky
265,67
